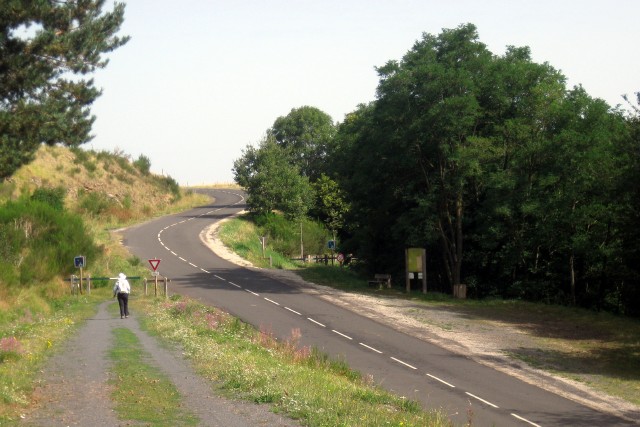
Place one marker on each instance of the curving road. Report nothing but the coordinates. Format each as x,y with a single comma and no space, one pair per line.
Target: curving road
411,367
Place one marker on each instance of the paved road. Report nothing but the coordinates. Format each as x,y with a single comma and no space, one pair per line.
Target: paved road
406,365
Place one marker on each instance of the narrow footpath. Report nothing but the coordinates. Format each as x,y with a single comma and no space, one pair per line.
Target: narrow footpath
74,390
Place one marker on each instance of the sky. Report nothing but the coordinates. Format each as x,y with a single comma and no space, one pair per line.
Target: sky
200,80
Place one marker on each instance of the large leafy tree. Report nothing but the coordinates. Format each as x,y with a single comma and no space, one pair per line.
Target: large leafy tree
272,181
307,134
421,160
47,50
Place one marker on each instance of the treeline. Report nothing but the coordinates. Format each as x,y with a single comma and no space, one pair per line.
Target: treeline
516,185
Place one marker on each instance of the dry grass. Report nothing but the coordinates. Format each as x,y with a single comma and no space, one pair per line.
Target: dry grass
133,196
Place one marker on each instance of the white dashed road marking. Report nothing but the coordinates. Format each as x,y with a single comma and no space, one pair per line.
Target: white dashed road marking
371,348
481,400
404,363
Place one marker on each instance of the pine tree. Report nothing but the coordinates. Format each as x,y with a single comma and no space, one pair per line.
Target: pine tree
48,48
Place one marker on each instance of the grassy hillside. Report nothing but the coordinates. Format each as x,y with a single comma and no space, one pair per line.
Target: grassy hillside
99,184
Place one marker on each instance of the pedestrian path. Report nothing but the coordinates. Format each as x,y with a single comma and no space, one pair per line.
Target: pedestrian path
74,388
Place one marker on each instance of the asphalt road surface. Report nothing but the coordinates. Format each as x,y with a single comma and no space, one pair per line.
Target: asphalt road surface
419,370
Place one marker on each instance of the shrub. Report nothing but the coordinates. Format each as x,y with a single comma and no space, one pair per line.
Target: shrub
167,183
284,234
41,241
54,197
94,203
143,164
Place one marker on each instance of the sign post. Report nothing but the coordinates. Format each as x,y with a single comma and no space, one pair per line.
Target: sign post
155,262
80,262
416,262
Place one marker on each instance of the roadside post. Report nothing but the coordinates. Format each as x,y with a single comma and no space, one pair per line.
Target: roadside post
80,262
331,244
155,262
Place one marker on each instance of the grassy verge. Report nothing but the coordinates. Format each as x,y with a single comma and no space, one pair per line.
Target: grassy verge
142,392
298,382
598,349
241,237
30,333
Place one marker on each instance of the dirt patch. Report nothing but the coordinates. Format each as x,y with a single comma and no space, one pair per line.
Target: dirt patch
489,342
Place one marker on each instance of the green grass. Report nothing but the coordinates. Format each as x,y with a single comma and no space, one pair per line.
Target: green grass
299,382
242,237
142,392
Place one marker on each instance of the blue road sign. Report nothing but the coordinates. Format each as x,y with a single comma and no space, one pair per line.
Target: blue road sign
79,261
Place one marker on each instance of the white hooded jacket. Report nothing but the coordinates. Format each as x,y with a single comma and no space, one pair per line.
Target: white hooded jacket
122,285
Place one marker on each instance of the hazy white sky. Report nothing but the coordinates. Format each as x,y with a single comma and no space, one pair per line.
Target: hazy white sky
201,79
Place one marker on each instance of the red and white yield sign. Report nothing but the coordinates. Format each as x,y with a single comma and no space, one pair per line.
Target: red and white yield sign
154,263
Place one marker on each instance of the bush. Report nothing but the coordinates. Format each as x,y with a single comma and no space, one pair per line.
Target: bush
143,164
284,235
93,203
39,242
169,184
54,197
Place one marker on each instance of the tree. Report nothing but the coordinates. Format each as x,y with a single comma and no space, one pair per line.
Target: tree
331,205
47,48
307,134
272,181
430,123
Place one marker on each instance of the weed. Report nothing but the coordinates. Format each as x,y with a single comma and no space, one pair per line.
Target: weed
10,348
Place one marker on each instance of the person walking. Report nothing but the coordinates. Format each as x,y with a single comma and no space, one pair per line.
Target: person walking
122,289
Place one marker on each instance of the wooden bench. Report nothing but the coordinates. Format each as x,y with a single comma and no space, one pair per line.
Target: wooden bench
381,279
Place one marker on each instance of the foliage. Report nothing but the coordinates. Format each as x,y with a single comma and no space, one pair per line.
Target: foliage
170,184
46,50
331,205
283,235
515,184
272,181
54,197
143,164
39,242
306,133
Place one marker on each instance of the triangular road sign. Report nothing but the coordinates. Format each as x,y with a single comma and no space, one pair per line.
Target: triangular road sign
154,263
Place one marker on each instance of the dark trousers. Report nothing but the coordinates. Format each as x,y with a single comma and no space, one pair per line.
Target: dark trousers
123,302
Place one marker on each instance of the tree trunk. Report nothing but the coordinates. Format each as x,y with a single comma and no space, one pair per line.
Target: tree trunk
457,268
573,279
